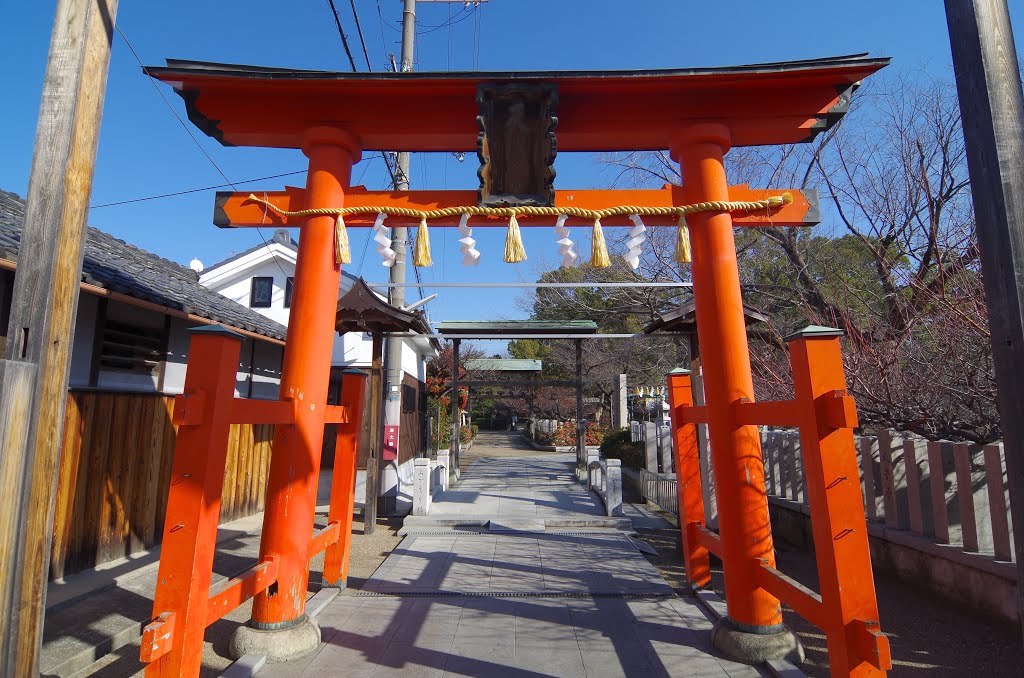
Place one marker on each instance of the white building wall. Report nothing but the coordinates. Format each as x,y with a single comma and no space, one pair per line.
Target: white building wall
266,374
233,280
81,347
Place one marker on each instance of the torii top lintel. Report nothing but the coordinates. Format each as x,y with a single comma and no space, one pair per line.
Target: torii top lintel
776,103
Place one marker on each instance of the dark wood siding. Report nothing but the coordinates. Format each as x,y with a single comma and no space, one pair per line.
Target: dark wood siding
114,473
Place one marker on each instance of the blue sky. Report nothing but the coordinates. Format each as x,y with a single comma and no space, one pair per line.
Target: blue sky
144,151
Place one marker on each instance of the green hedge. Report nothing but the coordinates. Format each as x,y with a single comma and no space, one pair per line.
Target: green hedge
618,445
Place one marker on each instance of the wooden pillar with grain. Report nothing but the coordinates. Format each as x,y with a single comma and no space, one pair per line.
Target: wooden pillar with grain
376,435
581,425
992,111
37,354
454,445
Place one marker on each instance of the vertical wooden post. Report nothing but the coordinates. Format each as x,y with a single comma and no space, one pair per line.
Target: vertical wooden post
203,416
454,445
34,371
376,436
856,646
688,480
992,110
295,464
343,482
581,425
721,327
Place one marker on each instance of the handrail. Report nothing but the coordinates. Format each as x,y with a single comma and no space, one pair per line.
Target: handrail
608,485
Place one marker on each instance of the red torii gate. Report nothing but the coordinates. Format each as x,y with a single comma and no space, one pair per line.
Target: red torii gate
698,114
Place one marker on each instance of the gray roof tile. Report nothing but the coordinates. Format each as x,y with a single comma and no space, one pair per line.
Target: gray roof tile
121,267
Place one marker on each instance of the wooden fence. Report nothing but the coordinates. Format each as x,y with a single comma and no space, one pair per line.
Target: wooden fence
114,473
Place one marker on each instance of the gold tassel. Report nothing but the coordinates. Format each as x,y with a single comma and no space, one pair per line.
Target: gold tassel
598,248
342,252
514,250
422,254
683,254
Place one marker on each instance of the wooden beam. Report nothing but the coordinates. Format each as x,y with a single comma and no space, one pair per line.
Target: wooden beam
376,436
34,371
992,111
235,210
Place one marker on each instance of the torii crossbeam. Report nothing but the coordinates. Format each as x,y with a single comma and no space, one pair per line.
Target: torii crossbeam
698,115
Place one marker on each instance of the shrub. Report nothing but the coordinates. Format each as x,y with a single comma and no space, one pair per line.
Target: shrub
465,434
619,445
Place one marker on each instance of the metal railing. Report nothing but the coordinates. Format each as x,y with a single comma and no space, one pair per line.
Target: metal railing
660,489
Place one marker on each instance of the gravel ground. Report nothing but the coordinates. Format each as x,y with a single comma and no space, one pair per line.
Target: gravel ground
928,634
367,553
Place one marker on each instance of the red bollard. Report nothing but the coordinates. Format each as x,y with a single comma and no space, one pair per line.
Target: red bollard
173,642
343,482
827,417
688,480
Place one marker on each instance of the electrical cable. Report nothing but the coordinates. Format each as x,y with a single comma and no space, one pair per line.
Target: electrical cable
181,122
196,190
359,30
344,40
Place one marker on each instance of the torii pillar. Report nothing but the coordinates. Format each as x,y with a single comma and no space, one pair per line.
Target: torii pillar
279,627
753,628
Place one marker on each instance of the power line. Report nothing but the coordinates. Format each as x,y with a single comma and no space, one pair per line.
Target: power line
359,29
344,40
191,136
194,190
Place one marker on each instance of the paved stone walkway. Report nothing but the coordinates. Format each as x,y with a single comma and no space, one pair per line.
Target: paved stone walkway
540,586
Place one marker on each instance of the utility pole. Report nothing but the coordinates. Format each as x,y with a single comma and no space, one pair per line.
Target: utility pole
393,374
992,112
34,369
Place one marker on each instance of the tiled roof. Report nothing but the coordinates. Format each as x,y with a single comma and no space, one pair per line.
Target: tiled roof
120,267
504,365
455,327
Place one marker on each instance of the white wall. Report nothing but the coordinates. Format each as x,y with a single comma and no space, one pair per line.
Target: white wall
266,372
233,280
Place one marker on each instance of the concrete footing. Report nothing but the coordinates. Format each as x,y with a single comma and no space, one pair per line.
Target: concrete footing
277,645
755,648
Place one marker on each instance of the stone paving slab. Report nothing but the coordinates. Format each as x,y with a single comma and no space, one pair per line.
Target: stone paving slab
523,602
522,562
524,638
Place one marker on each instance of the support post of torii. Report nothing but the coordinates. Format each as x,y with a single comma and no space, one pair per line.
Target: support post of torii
754,615
295,464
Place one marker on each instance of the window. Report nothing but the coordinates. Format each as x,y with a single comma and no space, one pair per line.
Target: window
129,348
288,291
261,292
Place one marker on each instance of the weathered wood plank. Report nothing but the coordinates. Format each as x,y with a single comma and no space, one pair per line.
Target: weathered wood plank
992,110
43,308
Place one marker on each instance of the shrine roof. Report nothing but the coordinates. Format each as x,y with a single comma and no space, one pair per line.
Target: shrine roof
771,103
504,365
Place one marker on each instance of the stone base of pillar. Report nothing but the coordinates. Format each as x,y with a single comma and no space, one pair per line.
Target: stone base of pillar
755,648
295,640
